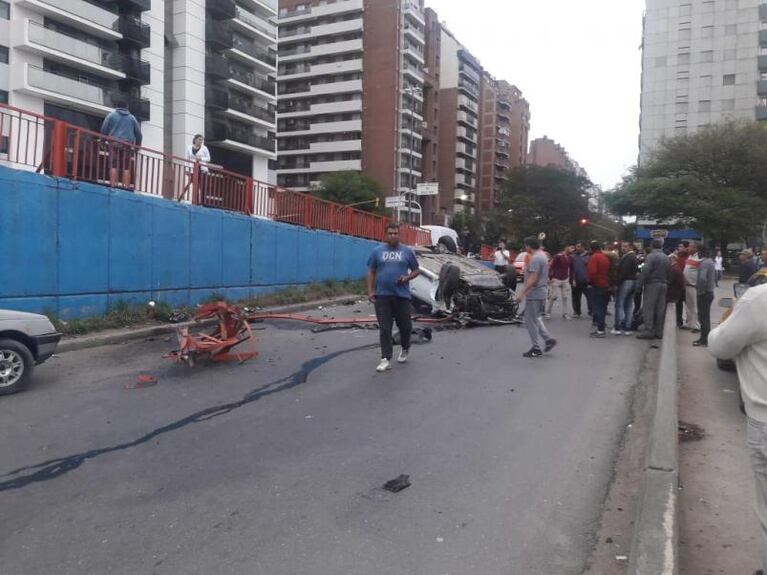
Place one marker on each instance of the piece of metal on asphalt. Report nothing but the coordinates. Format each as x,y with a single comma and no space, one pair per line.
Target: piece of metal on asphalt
397,484
142,380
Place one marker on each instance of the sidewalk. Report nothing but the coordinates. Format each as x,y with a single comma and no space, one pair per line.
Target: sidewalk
718,528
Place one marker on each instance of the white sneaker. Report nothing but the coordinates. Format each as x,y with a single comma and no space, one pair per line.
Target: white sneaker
384,365
628,332
616,332
402,356
567,316
547,316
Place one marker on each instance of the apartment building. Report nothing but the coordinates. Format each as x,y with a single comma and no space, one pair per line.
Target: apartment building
433,212
703,61
459,94
182,69
504,129
351,91
546,152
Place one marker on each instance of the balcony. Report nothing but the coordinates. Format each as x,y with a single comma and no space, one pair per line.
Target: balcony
332,48
138,5
761,113
466,149
331,69
135,69
78,14
468,119
235,136
761,87
763,37
33,37
414,33
313,128
468,87
241,107
467,104
305,109
763,12
221,35
414,54
320,167
79,95
217,66
414,72
252,83
413,11
248,22
135,31
317,31
309,13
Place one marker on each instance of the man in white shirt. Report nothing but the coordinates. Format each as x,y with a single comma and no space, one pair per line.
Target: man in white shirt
743,337
718,266
501,258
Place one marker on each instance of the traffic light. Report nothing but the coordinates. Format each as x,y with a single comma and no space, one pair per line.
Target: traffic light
584,221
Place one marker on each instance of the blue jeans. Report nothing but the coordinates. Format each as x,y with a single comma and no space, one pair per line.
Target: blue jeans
600,299
624,304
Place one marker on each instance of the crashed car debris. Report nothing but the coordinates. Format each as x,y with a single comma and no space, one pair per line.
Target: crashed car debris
456,285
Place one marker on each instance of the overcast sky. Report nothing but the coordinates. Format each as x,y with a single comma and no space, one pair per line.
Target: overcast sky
578,63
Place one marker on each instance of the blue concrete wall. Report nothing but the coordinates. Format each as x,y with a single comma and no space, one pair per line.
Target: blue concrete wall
75,249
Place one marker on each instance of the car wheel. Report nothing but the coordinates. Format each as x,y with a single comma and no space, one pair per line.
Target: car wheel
16,365
446,245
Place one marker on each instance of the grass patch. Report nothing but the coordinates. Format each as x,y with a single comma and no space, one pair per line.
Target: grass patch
123,314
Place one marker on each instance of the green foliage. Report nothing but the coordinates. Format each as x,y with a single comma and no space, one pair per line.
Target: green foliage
543,199
350,188
714,180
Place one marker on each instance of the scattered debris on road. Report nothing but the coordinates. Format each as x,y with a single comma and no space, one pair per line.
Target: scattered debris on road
398,484
690,432
142,381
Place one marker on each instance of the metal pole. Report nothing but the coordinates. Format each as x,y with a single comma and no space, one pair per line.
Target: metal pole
410,175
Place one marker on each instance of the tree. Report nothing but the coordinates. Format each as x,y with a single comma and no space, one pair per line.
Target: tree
350,188
714,180
543,199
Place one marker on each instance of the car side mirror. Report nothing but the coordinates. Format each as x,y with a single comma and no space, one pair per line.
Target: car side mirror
726,302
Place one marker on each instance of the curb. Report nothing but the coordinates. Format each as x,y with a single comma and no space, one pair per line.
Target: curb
655,543
98,340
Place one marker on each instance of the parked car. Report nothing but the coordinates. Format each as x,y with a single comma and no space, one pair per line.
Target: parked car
443,240
26,340
520,262
451,283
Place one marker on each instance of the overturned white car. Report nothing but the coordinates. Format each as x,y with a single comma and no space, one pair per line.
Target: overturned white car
454,284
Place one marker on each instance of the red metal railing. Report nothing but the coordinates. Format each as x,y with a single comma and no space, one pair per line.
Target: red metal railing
50,146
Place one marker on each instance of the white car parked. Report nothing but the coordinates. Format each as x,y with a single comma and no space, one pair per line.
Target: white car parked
26,340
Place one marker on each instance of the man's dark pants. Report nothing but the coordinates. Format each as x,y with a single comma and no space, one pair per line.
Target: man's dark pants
679,312
581,289
704,314
391,309
654,308
600,299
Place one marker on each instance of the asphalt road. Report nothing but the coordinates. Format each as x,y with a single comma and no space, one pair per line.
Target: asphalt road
276,466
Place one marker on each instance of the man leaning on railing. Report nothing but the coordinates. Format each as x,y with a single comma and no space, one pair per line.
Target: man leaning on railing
121,125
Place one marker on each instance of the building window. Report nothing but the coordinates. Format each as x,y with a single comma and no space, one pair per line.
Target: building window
683,59
707,32
685,9
707,56
685,34
704,106
3,54
5,10
728,80
3,97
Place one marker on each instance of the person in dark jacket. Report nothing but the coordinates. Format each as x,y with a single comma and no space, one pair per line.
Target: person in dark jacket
579,278
676,289
705,289
654,280
628,269
121,125
747,266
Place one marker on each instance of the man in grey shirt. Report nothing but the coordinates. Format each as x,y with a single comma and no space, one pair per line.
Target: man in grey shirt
704,287
536,292
654,281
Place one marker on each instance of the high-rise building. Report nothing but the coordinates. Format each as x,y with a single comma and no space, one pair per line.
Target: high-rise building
546,152
500,139
459,93
433,213
351,91
181,69
702,62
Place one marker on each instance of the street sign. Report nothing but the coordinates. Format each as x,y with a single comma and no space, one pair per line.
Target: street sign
395,202
427,189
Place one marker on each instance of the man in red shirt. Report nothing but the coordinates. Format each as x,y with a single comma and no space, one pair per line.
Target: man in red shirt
599,271
559,282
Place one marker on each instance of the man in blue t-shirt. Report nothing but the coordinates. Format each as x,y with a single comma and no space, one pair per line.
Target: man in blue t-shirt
391,266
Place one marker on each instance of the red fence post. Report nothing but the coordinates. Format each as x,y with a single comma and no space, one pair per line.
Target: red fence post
59,149
308,210
249,196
